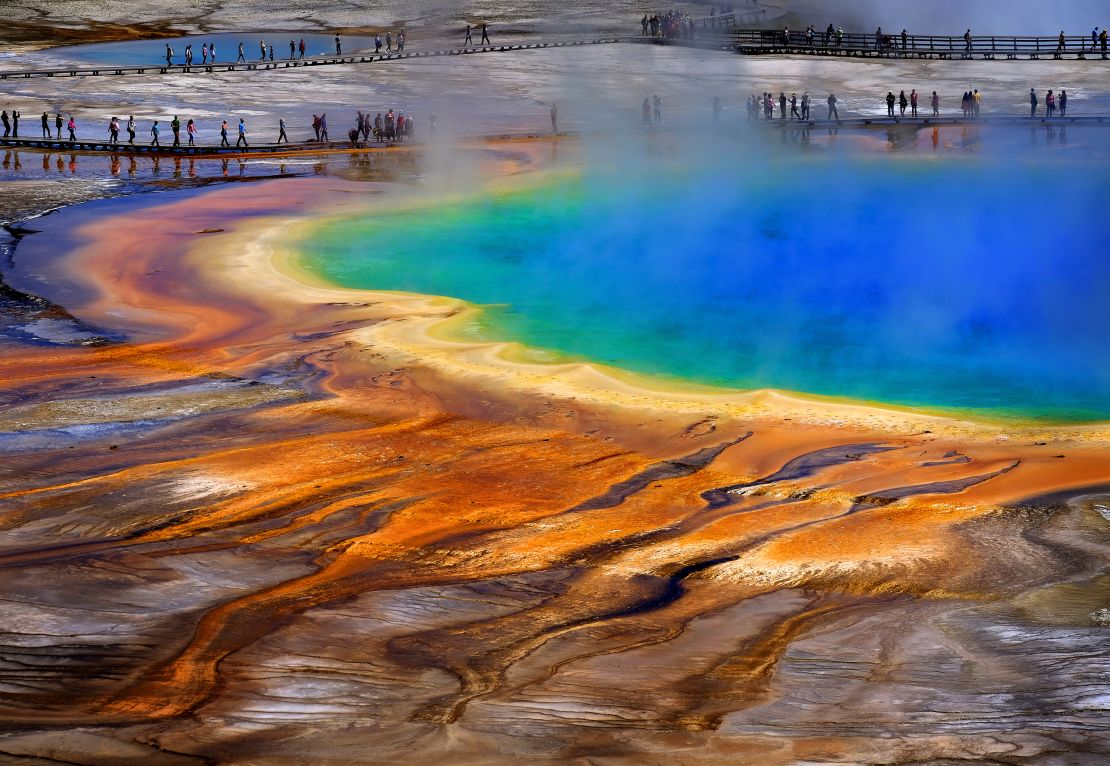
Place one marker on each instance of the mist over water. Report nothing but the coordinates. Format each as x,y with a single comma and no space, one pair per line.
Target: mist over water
965,284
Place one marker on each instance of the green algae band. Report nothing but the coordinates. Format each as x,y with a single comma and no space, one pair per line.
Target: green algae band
978,289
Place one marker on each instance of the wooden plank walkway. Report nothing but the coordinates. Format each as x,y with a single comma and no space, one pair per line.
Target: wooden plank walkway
929,122
743,41
894,46
102,70
102,146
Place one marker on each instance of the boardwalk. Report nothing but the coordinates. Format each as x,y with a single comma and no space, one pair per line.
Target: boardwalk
856,45
102,146
724,38
1013,121
100,70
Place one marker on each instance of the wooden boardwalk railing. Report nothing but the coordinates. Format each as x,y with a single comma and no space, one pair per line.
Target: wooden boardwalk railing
779,41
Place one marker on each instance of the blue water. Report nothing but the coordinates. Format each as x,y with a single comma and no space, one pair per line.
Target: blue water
153,52
970,286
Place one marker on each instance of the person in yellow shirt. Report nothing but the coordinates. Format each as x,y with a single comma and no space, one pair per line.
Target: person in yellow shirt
976,100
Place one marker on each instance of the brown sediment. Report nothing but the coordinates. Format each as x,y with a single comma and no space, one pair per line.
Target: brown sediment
395,546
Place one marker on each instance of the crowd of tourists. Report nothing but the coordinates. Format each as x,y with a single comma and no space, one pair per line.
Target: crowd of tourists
670,25
390,127
266,51
763,106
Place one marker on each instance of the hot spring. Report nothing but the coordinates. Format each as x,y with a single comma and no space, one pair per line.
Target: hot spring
967,286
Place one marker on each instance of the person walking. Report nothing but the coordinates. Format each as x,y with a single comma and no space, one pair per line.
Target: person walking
316,126
805,106
131,130
905,40
485,35
967,41
935,103
189,55
212,52
401,41
175,126
782,105
890,103
46,125
840,37
794,113
1032,102
469,40
8,125
223,134
555,117
154,134
833,113
338,46
913,102
301,47
1061,42
1063,103
72,127
242,134
191,132
903,102
203,53
1102,39
281,132
324,127
169,56
113,130
388,42
242,54
262,50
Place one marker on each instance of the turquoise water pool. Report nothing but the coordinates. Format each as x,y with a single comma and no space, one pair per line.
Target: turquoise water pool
963,286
